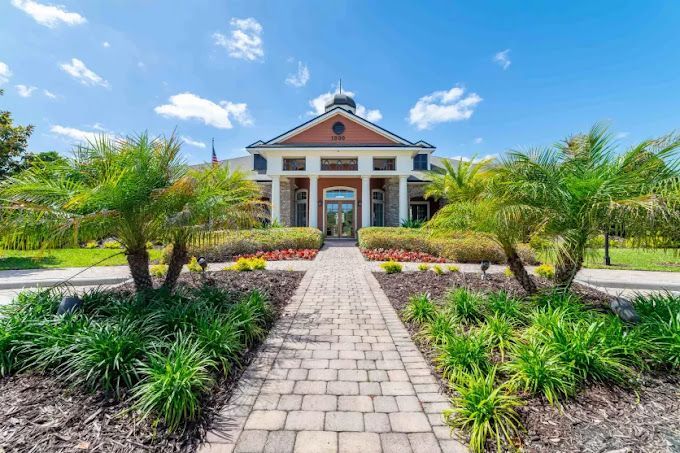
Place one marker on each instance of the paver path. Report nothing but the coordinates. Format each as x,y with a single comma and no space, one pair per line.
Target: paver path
338,372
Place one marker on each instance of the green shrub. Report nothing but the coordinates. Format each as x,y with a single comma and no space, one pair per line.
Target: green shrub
391,267
437,269
193,266
660,327
502,304
438,330
508,272
499,332
173,382
250,315
111,244
48,343
419,309
461,355
545,271
220,338
158,270
91,245
486,411
422,267
464,306
412,223
453,268
224,245
539,369
396,238
248,264
106,357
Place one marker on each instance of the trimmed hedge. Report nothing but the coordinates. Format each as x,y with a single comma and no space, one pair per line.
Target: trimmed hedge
465,247
224,245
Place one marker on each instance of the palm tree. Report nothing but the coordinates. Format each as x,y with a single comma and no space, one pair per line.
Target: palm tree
462,181
137,189
583,186
474,203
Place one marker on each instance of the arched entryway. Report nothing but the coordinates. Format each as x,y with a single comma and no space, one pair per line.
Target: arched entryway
339,212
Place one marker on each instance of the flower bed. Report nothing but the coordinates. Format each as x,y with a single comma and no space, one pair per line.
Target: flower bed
464,247
147,373
283,255
400,255
552,373
225,245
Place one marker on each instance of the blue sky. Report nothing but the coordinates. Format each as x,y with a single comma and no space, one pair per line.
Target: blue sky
240,71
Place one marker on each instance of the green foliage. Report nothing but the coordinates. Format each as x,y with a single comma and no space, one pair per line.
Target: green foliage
437,269
112,245
422,267
174,381
660,327
91,244
193,266
158,270
539,369
13,142
224,245
545,271
499,332
391,267
502,304
412,223
484,410
453,268
508,272
419,309
464,306
461,355
220,339
438,330
248,264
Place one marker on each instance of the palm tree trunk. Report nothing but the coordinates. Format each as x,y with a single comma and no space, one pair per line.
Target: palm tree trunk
178,259
518,270
569,264
138,260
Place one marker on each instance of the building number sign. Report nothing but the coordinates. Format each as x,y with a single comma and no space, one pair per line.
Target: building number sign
338,131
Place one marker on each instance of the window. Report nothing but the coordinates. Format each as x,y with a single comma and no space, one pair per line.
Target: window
301,208
420,162
339,164
378,208
293,164
259,164
419,210
384,164
339,194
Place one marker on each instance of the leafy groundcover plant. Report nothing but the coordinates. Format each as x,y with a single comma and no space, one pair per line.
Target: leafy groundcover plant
160,352
498,353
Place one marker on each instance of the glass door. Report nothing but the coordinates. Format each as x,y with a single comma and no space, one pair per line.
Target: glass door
346,220
332,211
340,219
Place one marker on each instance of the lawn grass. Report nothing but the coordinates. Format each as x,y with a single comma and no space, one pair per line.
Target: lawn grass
55,258
634,260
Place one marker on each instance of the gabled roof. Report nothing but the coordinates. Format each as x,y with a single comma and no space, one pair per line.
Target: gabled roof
391,138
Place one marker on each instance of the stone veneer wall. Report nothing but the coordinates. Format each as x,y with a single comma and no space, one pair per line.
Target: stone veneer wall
287,193
415,191
392,202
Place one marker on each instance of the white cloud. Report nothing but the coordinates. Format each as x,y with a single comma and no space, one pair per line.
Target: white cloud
106,44
300,78
99,127
621,135
187,105
49,94
443,107
74,134
318,105
86,76
191,142
478,140
5,73
48,15
25,91
245,41
503,59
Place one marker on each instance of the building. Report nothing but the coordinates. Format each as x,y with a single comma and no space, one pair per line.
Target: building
339,172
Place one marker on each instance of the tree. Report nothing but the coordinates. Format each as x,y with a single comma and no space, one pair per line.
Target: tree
136,189
474,203
13,142
584,186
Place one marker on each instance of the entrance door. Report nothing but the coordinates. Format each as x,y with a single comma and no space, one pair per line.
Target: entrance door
340,219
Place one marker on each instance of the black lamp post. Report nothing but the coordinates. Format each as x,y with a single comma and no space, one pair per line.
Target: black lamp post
484,265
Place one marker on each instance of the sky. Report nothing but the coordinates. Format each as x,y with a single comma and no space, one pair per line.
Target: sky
472,78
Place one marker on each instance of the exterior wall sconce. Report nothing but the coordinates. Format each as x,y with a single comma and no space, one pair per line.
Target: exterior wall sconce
359,203
320,203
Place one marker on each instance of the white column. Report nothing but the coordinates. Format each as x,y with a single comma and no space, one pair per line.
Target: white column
403,198
276,199
313,201
365,201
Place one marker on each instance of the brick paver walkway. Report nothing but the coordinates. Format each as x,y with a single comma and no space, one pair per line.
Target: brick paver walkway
338,372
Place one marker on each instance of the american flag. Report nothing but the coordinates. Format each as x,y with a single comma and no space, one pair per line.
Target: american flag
214,160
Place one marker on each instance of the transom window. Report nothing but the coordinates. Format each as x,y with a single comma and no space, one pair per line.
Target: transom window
339,194
420,162
384,163
294,164
342,164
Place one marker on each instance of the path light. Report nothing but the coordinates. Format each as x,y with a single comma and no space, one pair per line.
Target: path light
624,309
202,262
484,265
69,304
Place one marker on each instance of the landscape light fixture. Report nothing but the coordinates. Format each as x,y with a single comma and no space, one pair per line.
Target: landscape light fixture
202,262
484,265
69,304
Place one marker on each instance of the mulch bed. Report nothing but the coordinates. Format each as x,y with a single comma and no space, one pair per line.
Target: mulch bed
599,418
40,414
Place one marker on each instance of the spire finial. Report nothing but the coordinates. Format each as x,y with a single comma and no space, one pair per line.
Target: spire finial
340,85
